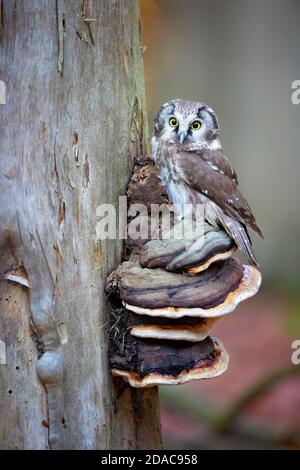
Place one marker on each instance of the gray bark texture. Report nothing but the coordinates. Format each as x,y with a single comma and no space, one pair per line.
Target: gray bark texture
73,121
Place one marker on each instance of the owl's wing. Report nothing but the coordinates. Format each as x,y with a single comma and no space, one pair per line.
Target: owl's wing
216,160
210,173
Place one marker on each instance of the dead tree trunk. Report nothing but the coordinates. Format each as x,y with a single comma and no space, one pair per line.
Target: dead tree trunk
72,122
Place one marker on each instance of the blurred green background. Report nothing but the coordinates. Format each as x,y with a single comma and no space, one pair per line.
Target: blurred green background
241,58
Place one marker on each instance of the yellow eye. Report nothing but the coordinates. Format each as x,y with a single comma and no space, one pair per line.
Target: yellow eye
195,125
173,122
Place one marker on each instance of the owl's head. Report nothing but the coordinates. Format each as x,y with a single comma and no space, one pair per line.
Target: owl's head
186,122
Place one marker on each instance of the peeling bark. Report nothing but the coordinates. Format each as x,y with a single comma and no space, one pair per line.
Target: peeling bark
73,121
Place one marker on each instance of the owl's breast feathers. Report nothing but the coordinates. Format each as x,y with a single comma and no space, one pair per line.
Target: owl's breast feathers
210,173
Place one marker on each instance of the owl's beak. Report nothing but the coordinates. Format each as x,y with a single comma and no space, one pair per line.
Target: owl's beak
182,137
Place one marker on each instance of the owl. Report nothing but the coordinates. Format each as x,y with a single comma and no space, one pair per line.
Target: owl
193,169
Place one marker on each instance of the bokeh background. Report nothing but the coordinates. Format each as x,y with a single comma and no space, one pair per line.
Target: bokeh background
241,58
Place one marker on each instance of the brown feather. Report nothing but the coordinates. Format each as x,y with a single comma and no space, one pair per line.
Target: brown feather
209,172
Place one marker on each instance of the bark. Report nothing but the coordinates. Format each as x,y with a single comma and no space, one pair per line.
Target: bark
73,121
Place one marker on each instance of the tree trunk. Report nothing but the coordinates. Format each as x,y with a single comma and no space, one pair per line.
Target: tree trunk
73,120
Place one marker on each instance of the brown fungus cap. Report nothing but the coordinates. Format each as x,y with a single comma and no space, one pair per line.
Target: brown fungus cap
180,329
172,363
194,256
178,332
212,293
17,275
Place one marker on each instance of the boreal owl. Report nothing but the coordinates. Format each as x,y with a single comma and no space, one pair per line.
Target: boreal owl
194,170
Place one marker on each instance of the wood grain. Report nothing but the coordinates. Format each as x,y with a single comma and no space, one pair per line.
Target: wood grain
74,119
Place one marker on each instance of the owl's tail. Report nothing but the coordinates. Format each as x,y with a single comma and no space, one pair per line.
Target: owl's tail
239,233
235,229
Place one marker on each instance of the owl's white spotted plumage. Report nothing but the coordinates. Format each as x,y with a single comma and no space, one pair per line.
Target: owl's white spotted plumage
194,170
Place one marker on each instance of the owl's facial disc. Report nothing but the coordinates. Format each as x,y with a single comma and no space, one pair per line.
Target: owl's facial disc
185,122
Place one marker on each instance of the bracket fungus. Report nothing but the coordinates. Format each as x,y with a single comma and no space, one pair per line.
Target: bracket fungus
178,255
18,275
167,295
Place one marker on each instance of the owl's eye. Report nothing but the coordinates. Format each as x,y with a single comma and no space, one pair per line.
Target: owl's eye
195,125
173,122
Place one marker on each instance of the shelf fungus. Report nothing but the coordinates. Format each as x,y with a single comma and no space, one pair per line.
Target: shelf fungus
189,255
17,275
166,297
170,363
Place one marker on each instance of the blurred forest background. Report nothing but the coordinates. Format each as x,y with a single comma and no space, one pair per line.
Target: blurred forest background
241,58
